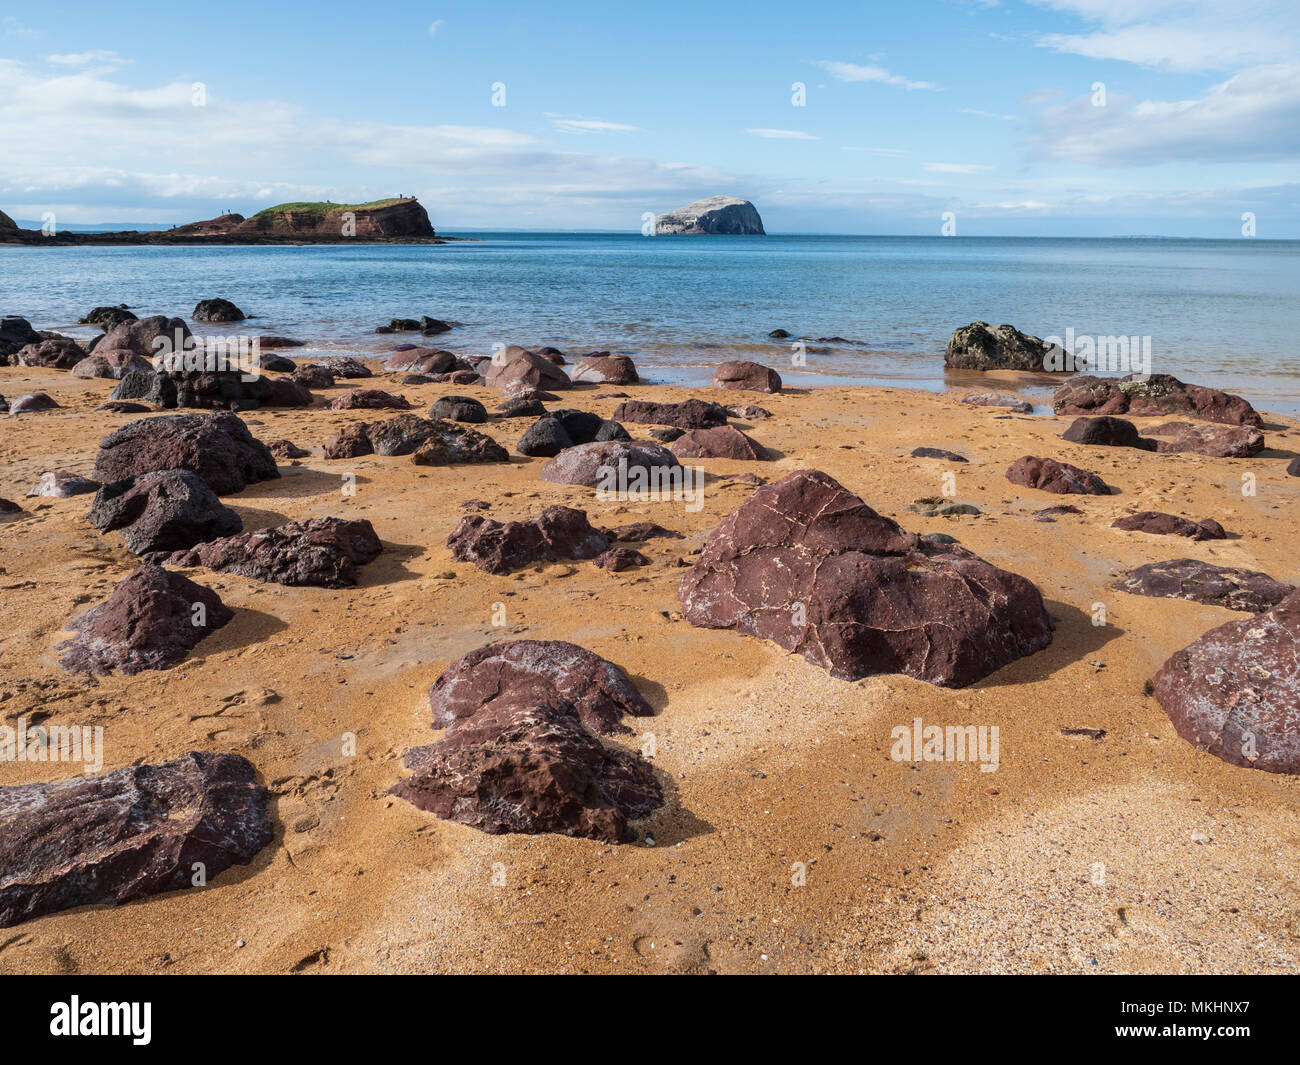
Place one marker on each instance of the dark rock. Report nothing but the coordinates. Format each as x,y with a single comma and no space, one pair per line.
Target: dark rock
404,325
690,414
519,767
1152,395
720,442
807,564
459,409
8,508
519,367
345,367
1293,467
369,399
465,377
1217,441
1048,475
154,337
421,360
59,484
1050,513
431,327
937,453
999,399
279,342
609,463
273,363
162,511
939,507
452,444
15,333
618,559
639,531
1152,521
979,346
287,449
419,379
1202,582
108,317
749,413
151,621
718,215
1234,691
1106,432
561,429
60,353
522,391
137,831
32,402
557,534
217,310
522,408
553,355
778,334
152,386
285,392
313,376
117,406
749,376
668,435
218,447
604,368
395,436
111,365
318,552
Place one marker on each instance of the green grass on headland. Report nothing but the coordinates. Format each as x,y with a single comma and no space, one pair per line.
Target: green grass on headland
321,208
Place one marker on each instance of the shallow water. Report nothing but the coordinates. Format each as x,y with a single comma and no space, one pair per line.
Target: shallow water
1223,313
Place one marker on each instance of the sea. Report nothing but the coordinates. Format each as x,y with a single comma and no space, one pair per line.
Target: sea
1224,313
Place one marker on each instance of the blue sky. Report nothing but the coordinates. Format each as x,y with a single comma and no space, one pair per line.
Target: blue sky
982,108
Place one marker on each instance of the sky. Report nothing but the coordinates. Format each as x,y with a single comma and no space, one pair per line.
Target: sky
1044,118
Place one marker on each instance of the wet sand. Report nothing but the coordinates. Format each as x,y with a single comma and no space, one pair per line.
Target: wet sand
1131,853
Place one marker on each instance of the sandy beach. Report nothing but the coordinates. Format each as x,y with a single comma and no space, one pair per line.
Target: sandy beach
789,840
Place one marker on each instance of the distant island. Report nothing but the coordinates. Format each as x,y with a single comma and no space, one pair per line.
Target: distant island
398,220
717,215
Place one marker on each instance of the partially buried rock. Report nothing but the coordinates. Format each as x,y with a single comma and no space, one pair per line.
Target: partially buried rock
639,531
313,376
369,399
318,552
522,407
31,403
749,413
217,310
521,766
618,559
1217,441
557,534
108,317
634,469
999,399
287,449
720,442
604,368
1202,582
162,511
395,436
451,444
1106,432
561,429
345,367
151,621
937,453
123,406
137,831
979,346
459,409
8,508
60,484
1152,521
1293,467
749,376
1153,394
689,414
218,447
54,353
1048,475
807,564
1234,691
598,692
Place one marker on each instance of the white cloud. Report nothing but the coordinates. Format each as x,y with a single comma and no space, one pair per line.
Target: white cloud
98,57
956,168
579,125
853,72
436,25
11,27
986,114
783,134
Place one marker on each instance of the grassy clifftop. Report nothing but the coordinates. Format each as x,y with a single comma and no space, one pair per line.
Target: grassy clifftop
319,209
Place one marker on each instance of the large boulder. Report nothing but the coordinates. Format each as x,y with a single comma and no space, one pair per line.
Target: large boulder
459,409
51,353
562,429
1152,521
1048,475
108,318
422,360
519,766
217,310
1235,692
33,402
1203,582
807,564
556,534
15,333
516,366
369,399
140,830
1217,441
606,369
163,511
715,215
1106,432
979,346
689,414
151,621
318,552
1152,395
545,671
451,444
155,336
607,464
111,365
748,376
218,447
720,442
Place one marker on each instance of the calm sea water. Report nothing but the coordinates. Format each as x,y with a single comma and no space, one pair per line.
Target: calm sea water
1225,313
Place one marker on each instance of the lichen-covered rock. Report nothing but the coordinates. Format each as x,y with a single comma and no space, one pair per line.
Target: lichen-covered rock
1152,521
689,414
369,399
218,447
55,353
999,399
151,621
607,464
979,346
1235,692
422,360
748,376
604,368
59,484
452,444
715,215
617,559
1203,582
162,511
557,534
720,442
1048,475
807,564
137,831
318,552
1152,395
1217,441
551,672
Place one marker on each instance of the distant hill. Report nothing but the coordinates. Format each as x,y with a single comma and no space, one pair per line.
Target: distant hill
718,215
6,222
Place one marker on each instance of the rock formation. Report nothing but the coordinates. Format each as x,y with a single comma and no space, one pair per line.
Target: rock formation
724,215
